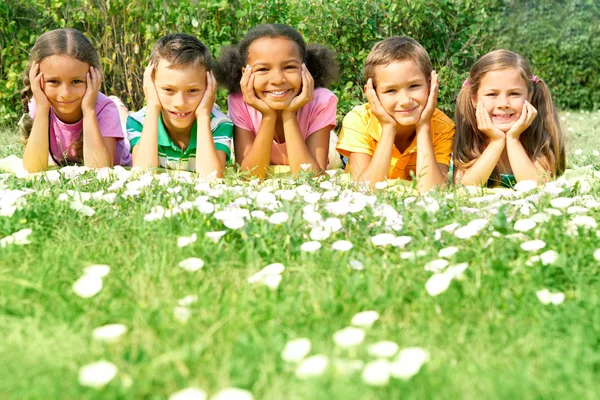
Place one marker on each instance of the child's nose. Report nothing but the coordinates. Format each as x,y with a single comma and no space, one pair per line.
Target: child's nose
277,77
65,92
502,101
179,99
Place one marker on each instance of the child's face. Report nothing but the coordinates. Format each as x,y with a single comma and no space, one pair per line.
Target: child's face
179,90
503,94
276,64
64,85
403,90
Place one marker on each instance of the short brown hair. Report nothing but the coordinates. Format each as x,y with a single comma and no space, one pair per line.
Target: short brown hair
397,48
181,50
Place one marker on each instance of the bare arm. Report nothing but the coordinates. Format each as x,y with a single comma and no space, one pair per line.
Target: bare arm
98,152
479,173
253,153
373,169
145,153
520,162
429,172
208,159
35,156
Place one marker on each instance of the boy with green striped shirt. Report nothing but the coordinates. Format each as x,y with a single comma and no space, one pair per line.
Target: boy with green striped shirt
180,127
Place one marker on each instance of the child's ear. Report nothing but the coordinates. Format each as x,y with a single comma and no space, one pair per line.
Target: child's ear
474,100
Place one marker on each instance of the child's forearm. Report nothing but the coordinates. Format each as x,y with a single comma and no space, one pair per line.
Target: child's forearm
207,159
95,154
379,167
520,163
258,157
480,171
146,154
299,153
35,156
428,171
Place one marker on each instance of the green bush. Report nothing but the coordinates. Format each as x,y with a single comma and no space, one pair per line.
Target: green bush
124,32
562,41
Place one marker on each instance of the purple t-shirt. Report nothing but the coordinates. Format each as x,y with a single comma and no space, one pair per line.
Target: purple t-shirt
316,115
63,135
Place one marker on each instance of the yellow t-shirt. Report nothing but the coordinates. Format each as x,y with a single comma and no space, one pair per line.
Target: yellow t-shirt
361,132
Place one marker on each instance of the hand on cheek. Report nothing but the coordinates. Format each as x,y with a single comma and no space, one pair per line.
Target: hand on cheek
36,81
428,110
93,80
306,94
528,115
249,94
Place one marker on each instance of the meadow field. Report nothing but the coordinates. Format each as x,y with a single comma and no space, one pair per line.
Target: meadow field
312,288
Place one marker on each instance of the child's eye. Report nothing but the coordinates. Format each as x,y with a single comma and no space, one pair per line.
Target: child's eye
389,91
291,67
263,69
415,86
515,94
52,81
193,90
168,90
77,81
490,94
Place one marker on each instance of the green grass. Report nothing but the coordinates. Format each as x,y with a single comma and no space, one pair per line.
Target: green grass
488,335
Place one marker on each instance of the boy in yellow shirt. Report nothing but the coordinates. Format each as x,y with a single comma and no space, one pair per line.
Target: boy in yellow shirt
399,130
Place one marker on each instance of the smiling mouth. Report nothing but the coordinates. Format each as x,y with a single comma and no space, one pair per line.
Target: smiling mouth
278,94
180,115
503,117
66,103
409,111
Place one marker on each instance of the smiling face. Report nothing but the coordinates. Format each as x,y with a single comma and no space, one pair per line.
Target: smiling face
503,94
180,91
64,85
403,90
276,64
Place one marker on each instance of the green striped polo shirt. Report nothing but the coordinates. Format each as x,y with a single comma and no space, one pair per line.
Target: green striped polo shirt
171,156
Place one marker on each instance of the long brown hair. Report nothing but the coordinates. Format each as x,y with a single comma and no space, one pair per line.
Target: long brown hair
543,140
68,42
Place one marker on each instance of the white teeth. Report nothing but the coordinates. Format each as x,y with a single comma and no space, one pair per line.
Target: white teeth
279,93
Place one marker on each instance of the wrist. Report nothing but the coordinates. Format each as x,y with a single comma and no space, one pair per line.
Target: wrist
287,115
513,139
42,108
88,111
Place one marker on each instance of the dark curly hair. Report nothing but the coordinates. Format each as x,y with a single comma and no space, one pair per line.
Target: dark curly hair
321,62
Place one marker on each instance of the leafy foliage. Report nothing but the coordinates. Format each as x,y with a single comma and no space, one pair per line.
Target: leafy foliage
562,40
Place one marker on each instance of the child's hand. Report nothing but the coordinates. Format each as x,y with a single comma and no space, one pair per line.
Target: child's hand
307,93
427,113
250,98
485,124
208,98
93,79
36,81
528,114
376,108
152,100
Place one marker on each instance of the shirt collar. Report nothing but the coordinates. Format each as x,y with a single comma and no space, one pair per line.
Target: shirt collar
165,141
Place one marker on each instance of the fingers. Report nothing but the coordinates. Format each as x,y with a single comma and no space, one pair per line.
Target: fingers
148,73
435,85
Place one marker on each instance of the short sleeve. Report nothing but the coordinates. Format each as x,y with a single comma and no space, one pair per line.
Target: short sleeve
238,112
324,112
109,120
353,136
222,131
134,131
443,136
